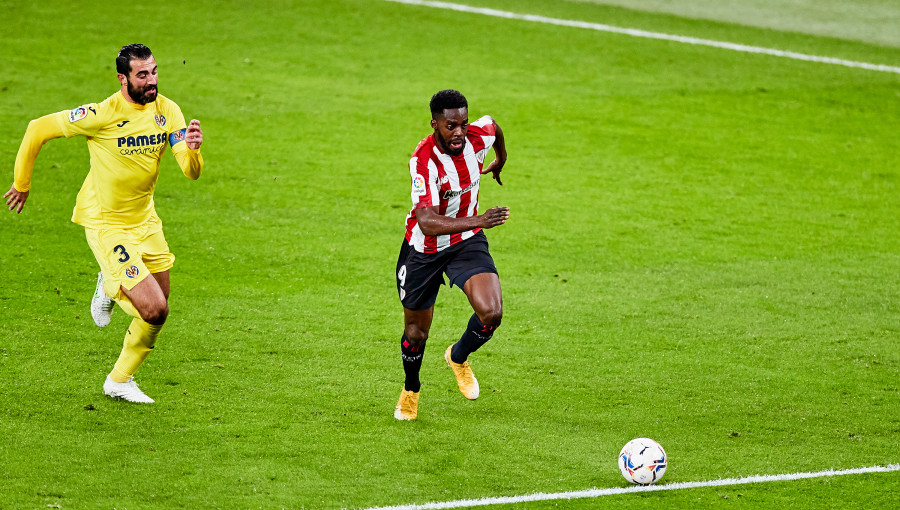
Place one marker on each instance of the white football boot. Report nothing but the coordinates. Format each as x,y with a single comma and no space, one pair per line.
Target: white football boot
101,305
127,390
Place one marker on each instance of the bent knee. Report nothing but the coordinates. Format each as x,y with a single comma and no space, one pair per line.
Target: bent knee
156,314
492,317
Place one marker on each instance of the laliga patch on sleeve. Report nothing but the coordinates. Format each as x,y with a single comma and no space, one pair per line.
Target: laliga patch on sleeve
176,136
78,114
418,186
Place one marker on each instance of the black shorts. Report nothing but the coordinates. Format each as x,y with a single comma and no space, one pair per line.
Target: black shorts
420,275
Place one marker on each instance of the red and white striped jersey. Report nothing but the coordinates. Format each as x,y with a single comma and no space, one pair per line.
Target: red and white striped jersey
449,182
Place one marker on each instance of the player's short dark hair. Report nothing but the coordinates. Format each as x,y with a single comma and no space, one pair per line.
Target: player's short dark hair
447,100
129,53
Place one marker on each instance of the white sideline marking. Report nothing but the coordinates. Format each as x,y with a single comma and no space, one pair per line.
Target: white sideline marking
594,493
650,35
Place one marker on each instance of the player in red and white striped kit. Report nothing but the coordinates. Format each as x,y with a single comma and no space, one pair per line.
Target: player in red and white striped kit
444,235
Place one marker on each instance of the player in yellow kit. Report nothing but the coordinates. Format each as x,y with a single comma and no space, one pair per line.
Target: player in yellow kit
126,136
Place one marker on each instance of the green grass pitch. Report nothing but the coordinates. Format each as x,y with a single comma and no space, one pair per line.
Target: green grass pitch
703,249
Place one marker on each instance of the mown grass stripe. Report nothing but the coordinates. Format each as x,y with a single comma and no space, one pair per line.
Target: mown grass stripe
653,35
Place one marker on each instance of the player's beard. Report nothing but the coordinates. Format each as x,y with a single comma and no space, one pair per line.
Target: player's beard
446,144
139,95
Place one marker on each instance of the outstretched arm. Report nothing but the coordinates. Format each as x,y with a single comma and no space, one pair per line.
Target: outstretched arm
500,152
190,160
39,132
433,223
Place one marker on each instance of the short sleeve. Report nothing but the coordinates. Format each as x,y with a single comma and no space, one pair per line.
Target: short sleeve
423,175
485,129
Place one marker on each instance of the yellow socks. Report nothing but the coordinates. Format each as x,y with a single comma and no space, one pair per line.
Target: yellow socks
139,341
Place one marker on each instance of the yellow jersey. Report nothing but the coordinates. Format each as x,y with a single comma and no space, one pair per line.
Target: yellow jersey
126,142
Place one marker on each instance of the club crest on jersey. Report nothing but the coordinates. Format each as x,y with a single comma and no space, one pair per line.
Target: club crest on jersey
77,114
480,155
132,272
160,120
418,185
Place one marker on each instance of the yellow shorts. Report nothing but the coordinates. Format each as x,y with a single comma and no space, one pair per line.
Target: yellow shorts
128,255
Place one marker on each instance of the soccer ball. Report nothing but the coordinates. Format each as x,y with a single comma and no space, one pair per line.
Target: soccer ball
642,461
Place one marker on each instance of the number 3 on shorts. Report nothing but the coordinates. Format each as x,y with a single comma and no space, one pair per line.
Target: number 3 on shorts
121,251
401,275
